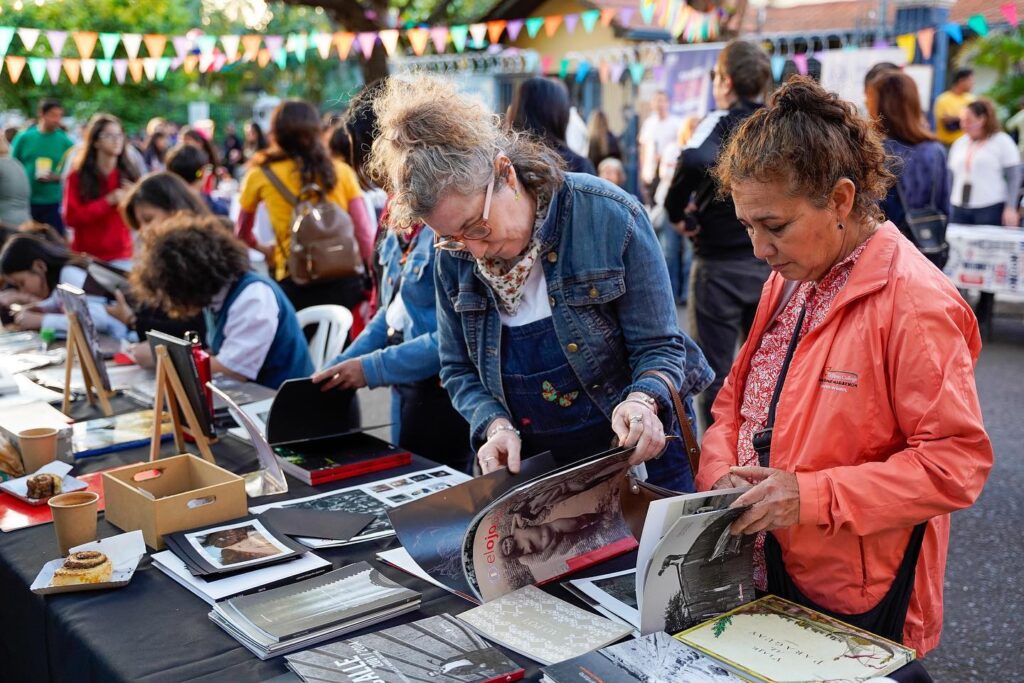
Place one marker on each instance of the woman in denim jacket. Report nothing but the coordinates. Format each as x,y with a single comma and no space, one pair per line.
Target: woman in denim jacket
552,294
398,347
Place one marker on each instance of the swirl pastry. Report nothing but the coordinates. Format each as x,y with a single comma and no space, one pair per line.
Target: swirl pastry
85,566
43,485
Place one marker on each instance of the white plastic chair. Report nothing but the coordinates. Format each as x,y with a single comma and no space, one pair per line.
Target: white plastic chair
333,323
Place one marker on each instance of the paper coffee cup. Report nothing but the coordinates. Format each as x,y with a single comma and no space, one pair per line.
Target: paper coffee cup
74,518
38,447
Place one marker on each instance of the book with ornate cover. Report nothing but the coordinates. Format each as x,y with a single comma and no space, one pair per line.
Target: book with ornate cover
654,658
437,649
542,627
775,641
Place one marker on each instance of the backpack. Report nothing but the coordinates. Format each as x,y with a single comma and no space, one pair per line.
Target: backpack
323,241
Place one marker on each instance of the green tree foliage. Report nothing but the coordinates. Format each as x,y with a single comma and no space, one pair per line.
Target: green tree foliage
1004,52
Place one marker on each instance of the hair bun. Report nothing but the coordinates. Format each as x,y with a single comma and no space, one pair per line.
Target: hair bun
802,94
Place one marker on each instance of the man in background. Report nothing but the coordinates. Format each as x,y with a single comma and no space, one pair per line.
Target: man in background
658,132
949,104
42,149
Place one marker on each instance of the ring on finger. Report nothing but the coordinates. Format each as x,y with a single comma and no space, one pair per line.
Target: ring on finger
633,419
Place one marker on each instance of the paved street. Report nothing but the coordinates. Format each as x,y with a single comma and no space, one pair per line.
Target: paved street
983,637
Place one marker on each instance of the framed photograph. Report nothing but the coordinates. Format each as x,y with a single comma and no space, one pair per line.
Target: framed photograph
233,546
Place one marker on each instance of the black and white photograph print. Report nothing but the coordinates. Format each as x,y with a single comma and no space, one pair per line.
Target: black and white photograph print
400,498
380,488
660,658
350,500
236,545
419,477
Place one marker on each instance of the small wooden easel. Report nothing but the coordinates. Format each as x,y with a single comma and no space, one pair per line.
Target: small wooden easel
170,389
78,345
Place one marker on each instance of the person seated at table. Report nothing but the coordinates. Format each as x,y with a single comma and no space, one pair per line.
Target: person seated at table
193,166
157,197
852,408
34,267
193,264
553,298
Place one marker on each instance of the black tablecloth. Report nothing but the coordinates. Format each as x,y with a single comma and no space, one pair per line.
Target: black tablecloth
153,629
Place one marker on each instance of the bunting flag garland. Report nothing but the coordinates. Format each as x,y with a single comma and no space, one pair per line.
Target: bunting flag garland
589,19
57,40
478,32
606,17
15,65
6,36
582,71
458,35
182,45
135,68
418,38
551,24
647,8
85,42
72,67
109,43
534,25
1009,11
37,67
636,72
389,39
28,36
163,66
149,65
250,47
343,44
53,67
925,41
908,43
263,58
978,24
132,42
231,43
280,58
120,70
155,44
104,67
954,31
778,66
322,41
439,37
800,60
570,21
366,41
495,29
88,69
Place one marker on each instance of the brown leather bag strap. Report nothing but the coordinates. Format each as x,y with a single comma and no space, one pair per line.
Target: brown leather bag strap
279,185
685,428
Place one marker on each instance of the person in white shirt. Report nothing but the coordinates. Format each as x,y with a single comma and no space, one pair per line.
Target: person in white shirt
658,132
986,167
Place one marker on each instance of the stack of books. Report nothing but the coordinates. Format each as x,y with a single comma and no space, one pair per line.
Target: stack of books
296,616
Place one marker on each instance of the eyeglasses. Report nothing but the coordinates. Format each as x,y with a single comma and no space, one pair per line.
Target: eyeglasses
111,136
477,230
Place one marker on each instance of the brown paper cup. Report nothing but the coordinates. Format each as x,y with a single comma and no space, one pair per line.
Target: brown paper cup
74,518
38,447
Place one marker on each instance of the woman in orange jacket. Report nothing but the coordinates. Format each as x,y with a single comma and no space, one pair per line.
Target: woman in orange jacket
851,411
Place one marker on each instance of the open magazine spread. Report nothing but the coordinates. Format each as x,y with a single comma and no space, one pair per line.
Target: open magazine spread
495,534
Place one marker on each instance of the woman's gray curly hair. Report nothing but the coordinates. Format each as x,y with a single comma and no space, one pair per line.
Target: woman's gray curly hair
433,140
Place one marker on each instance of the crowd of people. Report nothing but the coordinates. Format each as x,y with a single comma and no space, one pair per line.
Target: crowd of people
517,299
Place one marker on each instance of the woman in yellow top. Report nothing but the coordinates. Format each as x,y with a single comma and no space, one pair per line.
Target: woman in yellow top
298,157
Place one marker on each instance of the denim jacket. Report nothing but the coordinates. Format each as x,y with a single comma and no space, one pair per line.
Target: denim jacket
611,305
416,357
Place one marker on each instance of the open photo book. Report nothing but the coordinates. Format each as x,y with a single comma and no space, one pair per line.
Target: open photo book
494,534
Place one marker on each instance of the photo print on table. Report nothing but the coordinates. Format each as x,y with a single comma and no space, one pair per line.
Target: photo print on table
236,545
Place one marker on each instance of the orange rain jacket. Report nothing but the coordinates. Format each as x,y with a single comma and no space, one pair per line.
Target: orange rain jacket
879,419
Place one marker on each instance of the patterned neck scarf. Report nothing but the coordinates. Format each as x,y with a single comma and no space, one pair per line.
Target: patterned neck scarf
507,277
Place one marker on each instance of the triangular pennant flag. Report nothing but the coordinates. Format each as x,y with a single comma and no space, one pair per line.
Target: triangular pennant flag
389,39
88,69
551,24
800,59
582,71
301,47
636,72
908,43
28,36
273,43
978,24
954,31
120,70
6,36
182,45
439,37
149,65
190,63
534,25
418,39
495,29
625,15
323,43
15,65
206,45
132,42
109,41
135,68
458,34
231,42
925,41
589,19
206,62
617,69
545,64
778,66
104,68
563,69
85,41
478,32
53,65
1009,11
607,15
647,8
250,46
669,18
219,60
343,44
513,28
280,58
155,44
263,58
72,67
571,20
366,41
163,66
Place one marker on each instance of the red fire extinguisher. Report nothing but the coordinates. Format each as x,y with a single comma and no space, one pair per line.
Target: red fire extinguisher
202,361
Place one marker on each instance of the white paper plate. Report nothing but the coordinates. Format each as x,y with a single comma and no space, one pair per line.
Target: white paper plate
19,488
41,586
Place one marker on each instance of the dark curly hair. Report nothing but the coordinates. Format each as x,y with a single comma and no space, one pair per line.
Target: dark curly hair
185,261
809,138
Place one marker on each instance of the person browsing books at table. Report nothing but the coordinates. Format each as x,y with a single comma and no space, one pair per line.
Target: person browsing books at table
852,408
193,264
552,295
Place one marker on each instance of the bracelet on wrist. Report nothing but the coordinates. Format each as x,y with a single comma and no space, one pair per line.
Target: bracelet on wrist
501,428
644,399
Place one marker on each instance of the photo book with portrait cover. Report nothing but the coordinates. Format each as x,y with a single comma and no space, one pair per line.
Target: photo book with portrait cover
231,547
500,532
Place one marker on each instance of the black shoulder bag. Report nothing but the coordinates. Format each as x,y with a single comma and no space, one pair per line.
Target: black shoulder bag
926,227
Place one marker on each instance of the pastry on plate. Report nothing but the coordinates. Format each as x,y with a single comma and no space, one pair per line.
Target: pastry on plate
85,566
44,485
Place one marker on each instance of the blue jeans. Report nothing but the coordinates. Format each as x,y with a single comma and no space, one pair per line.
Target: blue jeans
678,257
985,215
49,214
